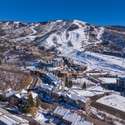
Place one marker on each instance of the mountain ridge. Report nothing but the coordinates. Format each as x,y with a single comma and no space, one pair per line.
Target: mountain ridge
60,34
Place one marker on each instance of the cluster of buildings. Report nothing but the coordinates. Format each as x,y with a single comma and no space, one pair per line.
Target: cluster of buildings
94,98
102,95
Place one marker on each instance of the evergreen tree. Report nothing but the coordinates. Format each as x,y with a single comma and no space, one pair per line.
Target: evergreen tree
0,61
37,102
68,83
30,100
84,85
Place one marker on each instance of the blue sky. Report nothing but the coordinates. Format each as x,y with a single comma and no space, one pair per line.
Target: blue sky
92,11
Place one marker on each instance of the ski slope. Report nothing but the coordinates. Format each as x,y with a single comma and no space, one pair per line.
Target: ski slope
100,61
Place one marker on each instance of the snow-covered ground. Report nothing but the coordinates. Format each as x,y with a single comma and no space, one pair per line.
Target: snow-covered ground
76,38
114,101
100,61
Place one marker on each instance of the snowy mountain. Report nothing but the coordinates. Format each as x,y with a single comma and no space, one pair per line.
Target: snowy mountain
68,69
24,41
64,35
71,35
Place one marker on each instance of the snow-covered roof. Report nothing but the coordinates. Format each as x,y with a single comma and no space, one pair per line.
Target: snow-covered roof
74,95
40,117
31,68
46,87
71,117
108,80
18,95
7,120
82,95
96,88
114,101
21,94
9,92
52,77
34,95
81,122
61,111
82,80
10,119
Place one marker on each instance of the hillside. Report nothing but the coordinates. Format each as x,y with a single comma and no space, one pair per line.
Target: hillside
23,43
